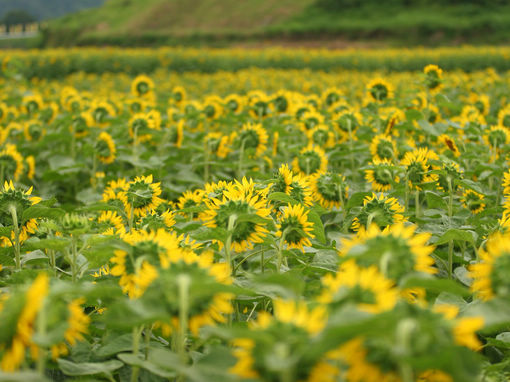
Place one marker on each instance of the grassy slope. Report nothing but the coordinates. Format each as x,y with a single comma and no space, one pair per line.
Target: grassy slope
132,22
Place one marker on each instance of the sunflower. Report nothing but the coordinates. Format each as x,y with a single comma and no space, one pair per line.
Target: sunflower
382,175
190,199
282,101
434,375
141,126
142,196
405,250
77,326
383,147
473,201
482,103
367,287
31,166
11,161
216,190
379,90
449,144
178,95
321,136
490,273
105,147
233,103
212,108
311,119
217,144
110,222
259,104
301,190
504,117
362,357
238,201
142,86
418,167
81,124
116,190
282,180
329,189
102,111
14,353
153,221
433,78
252,137
32,104
19,200
33,130
331,96
176,133
291,319
381,210
450,173
294,228
311,159
496,138
506,183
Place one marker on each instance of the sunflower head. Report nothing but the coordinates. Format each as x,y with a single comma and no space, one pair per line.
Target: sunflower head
490,273
497,137
238,201
142,196
365,287
311,159
397,250
294,228
329,189
379,210
11,161
433,77
105,148
383,147
253,138
379,90
20,200
74,224
142,86
449,176
418,165
382,175
473,201
282,180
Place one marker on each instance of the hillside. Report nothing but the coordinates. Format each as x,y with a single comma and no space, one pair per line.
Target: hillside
46,9
160,22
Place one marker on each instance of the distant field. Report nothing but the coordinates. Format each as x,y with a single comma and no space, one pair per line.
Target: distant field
177,22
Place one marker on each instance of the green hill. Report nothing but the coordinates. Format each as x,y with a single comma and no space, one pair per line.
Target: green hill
46,9
159,22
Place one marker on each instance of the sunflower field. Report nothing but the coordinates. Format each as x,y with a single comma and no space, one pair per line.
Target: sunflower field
262,224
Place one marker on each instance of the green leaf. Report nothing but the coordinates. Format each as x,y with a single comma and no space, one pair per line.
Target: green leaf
6,231
88,368
455,235
133,360
42,212
253,218
117,345
282,197
356,199
55,243
435,285
22,376
207,233
318,227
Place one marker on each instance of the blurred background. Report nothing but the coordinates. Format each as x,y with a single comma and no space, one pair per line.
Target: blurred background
315,23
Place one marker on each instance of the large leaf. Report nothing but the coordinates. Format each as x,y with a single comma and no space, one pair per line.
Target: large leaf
88,368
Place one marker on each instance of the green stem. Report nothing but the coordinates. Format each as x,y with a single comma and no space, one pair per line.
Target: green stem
450,217
74,259
17,247
241,158
183,283
137,331
135,146
228,242
407,192
417,203
148,334
280,250
206,164
73,141
2,174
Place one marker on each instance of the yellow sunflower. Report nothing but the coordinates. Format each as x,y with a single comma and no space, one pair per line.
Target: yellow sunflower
105,147
366,287
142,86
294,228
383,147
433,78
142,196
311,159
329,189
379,90
381,175
490,273
11,161
381,210
473,201
417,163
238,201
